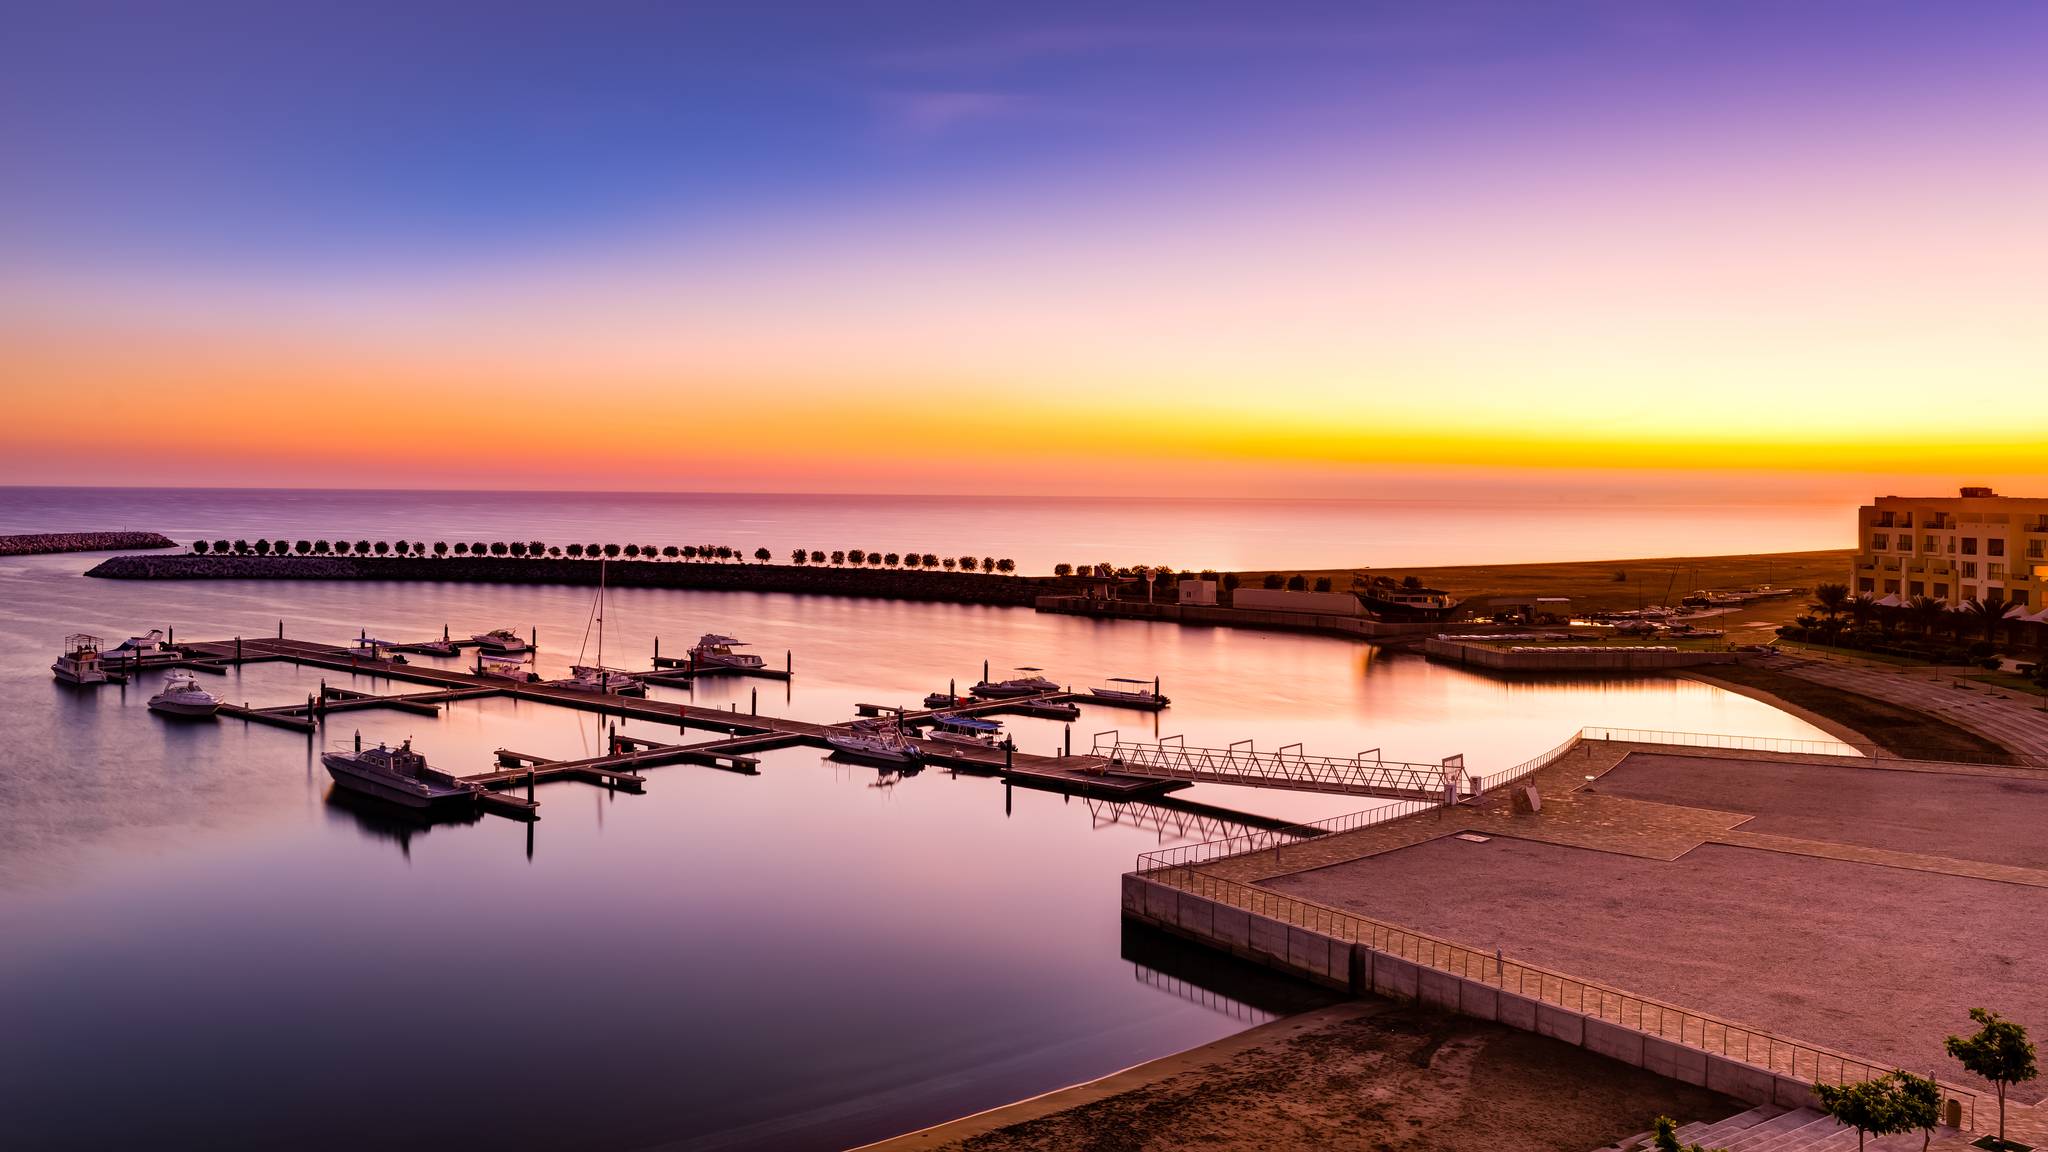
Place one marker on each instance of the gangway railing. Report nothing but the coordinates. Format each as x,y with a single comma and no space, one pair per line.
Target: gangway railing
1165,821
1289,767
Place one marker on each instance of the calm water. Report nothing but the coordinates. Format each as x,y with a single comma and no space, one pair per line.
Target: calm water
1037,533
201,946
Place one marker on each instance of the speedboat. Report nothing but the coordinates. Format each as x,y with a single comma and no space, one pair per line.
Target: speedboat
503,667
967,731
875,740
1032,685
716,651
399,775
80,661
597,678
501,640
136,647
945,700
182,696
1131,697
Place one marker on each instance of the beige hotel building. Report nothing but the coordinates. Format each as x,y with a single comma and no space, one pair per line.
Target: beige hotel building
1953,548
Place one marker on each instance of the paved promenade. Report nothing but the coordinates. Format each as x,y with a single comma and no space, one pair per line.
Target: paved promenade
2014,720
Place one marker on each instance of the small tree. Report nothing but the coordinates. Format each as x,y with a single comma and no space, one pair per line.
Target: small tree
1063,569
535,547
632,551
671,551
1666,1139
724,552
575,551
950,563
988,563
1230,581
1919,1105
763,555
363,547
478,548
302,547
403,547
892,559
516,547
1871,1107
1999,1051
874,559
817,557
800,556
381,548
1297,583
554,550
320,547
440,547
261,547
199,547
930,560
967,563
611,551
462,548
1273,582
856,555
838,556
1006,565
1322,583
221,545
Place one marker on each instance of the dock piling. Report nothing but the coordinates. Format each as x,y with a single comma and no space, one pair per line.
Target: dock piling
657,651
1070,741
280,629
788,663
238,651
170,637
754,702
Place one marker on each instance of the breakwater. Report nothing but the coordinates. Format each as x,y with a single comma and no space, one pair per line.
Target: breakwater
39,543
942,587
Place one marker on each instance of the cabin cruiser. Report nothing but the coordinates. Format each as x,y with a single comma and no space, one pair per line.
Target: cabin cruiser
879,740
1032,685
501,640
716,651
399,775
967,731
1140,697
597,678
182,696
135,647
1389,600
503,668
80,661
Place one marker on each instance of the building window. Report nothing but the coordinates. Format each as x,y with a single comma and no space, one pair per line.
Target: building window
1969,569
2034,550
1969,545
2016,595
1863,584
1891,586
1969,591
1994,571
1940,590
1928,544
1917,588
1994,546
1880,541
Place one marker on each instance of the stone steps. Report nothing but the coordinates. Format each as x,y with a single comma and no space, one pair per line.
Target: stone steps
1771,1129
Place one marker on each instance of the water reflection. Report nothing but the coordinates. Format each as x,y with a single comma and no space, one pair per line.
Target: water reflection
384,821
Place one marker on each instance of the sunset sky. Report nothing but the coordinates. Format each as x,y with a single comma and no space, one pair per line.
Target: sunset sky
1276,249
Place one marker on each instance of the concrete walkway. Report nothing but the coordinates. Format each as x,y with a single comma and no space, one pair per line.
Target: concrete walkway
2011,719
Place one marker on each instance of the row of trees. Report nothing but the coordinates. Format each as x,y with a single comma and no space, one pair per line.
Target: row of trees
1922,627
523,548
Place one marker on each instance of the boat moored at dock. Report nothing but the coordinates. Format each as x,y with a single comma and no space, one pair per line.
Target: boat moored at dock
182,696
511,668
881,741
501,640
399,775
597,678
968,732
713,650
1403,601
1034,684
1150,699
80,661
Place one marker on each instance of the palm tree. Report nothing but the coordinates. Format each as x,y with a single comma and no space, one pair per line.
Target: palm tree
1990,609
1862,607
1927,613
1830,599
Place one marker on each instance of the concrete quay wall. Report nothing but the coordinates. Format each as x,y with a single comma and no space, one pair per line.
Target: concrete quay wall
1537,659
1362,970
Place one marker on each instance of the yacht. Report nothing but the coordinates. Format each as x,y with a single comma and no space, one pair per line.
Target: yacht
1140,697
80,661
1032,685
967,731
598,678
135,647
399,775
182,696
501,640
503,668
716,651
875,740
1394,601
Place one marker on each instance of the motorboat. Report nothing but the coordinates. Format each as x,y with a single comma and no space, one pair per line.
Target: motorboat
1032,685
967,731
371,648
1389,600
598,678
399,775
715,651
946,700
1140,697
503,667
80,661
501,640
182,696
133,649
875,740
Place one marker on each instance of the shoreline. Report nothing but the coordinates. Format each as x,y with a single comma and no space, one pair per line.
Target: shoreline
48,543
1855,718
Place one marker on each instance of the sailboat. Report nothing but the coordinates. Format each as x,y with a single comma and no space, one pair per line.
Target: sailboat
596,677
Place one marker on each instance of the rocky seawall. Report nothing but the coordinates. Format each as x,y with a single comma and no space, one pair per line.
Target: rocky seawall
943,587
38,543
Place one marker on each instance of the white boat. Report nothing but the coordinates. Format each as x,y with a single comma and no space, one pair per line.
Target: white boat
596,677
1148,698
967,731
182,696
503,667
501,640
399,775
874,740
135,647
1032,685
715,651
80,661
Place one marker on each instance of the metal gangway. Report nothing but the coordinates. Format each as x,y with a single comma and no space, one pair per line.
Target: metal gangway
1166,822
1365,774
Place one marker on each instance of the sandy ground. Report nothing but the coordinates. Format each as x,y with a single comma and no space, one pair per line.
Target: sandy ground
1366,1075
1965,817
1872,960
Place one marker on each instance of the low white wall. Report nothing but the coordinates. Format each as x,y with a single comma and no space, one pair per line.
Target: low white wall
1313,603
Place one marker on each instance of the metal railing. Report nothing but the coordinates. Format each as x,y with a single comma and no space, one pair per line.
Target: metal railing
1164,820
1288,767
1527,767
1859,749
1802,1062
1273,839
